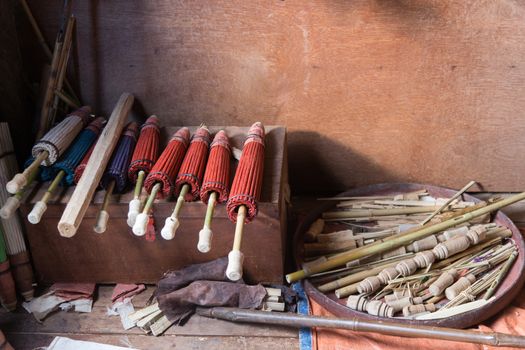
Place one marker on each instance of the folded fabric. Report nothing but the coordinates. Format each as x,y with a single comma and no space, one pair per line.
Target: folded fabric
72,291
181,303
41,307
211,271
123,291
61,343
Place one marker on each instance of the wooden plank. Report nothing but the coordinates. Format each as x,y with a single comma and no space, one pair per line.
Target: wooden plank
30,341
97,322
371,92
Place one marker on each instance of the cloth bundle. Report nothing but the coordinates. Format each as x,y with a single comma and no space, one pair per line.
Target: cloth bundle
180,292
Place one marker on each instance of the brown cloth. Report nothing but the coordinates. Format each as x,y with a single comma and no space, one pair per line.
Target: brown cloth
179,304
180,292
123,291
214,270
73,291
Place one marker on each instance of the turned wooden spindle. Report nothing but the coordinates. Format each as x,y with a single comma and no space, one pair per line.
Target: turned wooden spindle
425,258
357,302
369,285
451,247
378,308
388,274
445,279
399,304
406,267
411,310
460,285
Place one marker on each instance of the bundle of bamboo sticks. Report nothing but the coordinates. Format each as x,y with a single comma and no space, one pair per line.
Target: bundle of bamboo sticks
451,270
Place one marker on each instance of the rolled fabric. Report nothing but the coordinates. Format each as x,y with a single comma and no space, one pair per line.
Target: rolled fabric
217,174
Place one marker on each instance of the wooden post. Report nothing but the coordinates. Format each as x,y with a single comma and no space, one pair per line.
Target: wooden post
79,202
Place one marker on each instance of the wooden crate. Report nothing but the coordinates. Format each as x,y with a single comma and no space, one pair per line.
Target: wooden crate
119,256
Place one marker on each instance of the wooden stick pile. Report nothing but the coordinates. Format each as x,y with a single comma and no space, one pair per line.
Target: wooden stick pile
447,272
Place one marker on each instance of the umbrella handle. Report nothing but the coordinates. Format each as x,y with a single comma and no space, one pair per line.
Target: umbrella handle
133,212
172,222
206,234
10,206
21,180
236,257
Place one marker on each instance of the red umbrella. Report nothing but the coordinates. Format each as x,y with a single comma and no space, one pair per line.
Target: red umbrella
215,185
189,178
160,182
245,192
144,157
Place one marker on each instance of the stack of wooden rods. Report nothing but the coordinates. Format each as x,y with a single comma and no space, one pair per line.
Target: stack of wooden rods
79,170
63,170
400,239
144,157
115,178
244,194
189,179
52,145
160,182
7,284
13,233
215,185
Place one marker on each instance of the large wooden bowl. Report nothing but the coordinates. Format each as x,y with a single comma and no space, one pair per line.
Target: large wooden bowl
506,292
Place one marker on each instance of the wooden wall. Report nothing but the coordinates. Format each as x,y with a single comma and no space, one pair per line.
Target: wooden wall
371,91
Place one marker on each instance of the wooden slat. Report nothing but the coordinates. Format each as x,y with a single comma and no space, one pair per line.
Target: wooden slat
371,91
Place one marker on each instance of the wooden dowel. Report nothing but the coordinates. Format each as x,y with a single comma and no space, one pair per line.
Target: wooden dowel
81,197
172,222
40,207
402,238
206,234
20,180
103,215
139,228
235,257
451,199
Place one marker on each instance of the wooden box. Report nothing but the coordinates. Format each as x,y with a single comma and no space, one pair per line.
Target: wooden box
119,256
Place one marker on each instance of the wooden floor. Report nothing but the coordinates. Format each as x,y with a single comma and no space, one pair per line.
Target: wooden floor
25,333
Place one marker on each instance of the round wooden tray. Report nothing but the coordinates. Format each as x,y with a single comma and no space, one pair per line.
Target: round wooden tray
506,292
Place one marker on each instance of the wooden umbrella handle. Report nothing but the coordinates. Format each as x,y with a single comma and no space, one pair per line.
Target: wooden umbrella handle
236,257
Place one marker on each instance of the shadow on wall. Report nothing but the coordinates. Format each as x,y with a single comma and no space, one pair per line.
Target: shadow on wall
312,170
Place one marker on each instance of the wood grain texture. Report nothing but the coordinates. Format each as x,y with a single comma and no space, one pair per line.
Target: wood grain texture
119,256
198,333
371,91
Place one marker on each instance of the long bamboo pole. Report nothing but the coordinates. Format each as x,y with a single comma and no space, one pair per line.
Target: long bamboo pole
382,327
401,239
450,200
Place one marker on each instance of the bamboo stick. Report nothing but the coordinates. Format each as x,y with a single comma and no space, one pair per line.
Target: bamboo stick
402,239
389,328
504,270
451,199
370,213
236,257
103,215
135,204
206,234
79,201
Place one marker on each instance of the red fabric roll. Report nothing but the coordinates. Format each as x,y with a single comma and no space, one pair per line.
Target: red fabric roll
192,168
217,174
7,287
168,164
80,168
247,183
147,149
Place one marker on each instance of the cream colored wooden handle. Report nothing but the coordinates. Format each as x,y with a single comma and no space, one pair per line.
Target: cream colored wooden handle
16,183
170,228
102,222
234,269
134,210
10,206
139,228
205,237
36,214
